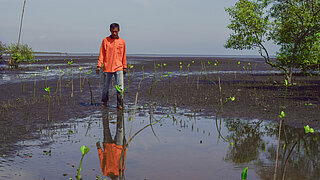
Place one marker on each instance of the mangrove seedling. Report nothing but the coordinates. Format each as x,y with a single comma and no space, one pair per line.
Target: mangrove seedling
244,174
34,87
121,91
61,73
130,66
71,71
84,151
91,94
188,67
49,99
156,83
308,129
282,117
80,68
180,66
45,78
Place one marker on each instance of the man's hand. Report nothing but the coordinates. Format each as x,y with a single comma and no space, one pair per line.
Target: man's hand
124,71
98,70
98,145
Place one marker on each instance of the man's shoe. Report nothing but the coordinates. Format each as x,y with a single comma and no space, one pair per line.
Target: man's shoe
120,107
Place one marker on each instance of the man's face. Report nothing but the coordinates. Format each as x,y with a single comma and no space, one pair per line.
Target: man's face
114,32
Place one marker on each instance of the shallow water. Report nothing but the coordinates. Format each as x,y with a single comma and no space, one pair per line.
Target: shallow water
186,146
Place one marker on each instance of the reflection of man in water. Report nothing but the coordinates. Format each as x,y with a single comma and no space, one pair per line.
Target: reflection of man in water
110,156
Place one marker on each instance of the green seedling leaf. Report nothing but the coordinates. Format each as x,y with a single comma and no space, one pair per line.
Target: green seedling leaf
244,174
284,146
180,67
70,62
315,138
35,74
192,61
164,64
308,104
188,65
118,89
209,62
308,129
47,67
131,66
282,114
84,150
215,64
311,130
286,82
232,98
238,62
243,67
80,68
47,89
89,72
180,63
249,64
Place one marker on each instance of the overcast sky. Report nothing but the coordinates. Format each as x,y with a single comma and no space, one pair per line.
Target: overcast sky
148,26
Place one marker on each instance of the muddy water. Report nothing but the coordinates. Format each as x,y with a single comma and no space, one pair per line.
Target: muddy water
186,146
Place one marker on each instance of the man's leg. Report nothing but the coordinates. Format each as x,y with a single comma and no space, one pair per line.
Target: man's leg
119,80
107,138
105,88
119,137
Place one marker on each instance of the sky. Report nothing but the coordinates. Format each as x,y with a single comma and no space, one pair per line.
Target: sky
147,26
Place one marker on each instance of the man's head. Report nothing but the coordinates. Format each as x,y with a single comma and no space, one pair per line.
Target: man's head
114,29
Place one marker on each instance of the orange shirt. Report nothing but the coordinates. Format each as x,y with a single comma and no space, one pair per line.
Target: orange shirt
110,158
112,55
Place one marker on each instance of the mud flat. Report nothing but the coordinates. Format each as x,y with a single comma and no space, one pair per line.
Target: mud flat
242,96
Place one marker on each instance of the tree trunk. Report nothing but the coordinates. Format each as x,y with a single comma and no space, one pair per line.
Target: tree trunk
289,75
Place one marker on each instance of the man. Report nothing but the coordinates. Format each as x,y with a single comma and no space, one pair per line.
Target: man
112,156
113,59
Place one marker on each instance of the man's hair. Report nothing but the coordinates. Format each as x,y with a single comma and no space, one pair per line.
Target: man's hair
114,25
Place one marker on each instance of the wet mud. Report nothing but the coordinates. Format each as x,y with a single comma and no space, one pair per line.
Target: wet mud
205,86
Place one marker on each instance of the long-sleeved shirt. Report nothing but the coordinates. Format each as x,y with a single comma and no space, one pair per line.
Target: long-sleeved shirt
112,55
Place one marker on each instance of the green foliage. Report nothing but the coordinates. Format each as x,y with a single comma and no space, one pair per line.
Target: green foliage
308,129
244,174
85,150
282,115
48,89
119,90
70,62
293,25
19,54
2,49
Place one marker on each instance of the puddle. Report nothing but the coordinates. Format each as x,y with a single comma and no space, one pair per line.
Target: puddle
185,147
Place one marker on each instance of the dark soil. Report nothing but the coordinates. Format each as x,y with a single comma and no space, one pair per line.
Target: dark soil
257,96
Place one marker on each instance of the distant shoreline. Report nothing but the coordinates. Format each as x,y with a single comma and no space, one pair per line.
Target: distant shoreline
39,54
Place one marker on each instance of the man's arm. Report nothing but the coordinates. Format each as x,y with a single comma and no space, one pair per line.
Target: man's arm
124,59
102,55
